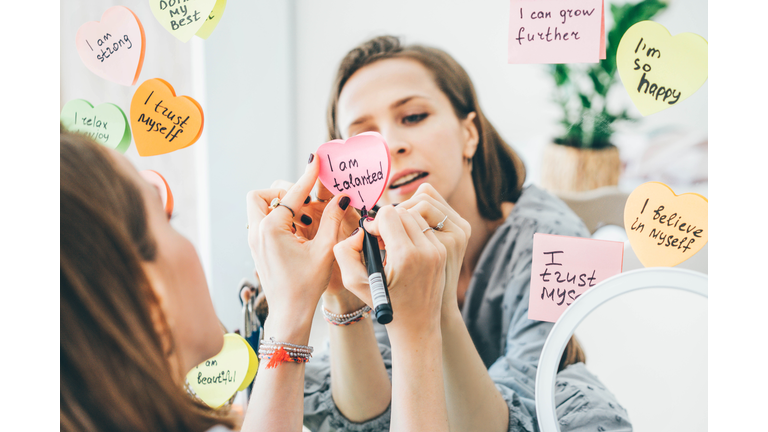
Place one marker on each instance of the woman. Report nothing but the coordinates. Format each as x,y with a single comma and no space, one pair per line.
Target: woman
425,106
136,314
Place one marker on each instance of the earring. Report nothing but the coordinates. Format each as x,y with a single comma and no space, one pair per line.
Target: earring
469,161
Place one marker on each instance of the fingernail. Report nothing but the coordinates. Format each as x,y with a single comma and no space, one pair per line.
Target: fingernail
344,202
311,158
294,227
355,231
306,220
306,201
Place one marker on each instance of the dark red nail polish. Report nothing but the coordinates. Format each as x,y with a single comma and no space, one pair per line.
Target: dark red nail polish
311,158
306,201
344,202
306,220
355,231
293,225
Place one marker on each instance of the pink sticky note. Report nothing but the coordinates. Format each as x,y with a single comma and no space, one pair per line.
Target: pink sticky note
113,48
555,31
564,268
358,167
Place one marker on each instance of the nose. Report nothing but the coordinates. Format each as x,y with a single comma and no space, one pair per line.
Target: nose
397,144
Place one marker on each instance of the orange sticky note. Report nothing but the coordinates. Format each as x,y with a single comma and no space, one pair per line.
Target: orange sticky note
665,229
162,186
563,268
163,122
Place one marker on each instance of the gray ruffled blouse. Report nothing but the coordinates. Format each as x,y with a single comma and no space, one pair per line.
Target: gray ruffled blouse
495,311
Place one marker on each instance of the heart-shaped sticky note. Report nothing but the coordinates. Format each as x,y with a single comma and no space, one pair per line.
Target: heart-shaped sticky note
358,167
161,184
161,121
183,18
113,48
106,123
658,70
217,379
665,229
213,19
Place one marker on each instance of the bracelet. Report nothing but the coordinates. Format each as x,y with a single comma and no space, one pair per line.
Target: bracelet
348,318
279,352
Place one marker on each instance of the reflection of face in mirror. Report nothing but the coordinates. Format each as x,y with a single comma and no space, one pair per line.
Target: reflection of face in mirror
428,142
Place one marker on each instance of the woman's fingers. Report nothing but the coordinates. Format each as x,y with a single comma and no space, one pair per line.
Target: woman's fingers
353,273
257,204
322,192
427,193
330,222
293,200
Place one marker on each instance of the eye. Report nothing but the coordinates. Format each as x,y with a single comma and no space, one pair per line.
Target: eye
414,118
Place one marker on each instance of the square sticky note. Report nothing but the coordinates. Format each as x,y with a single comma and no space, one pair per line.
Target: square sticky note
564,268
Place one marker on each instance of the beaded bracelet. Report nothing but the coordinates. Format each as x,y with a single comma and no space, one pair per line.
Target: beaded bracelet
279,352
348,318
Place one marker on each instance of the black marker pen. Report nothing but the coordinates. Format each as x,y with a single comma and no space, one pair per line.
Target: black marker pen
382,308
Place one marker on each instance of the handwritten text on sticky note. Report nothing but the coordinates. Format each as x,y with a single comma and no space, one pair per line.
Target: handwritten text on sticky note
182,18
665,229
357,167
658,70
105,124
564,268
217,379
113,48
163,122
556,31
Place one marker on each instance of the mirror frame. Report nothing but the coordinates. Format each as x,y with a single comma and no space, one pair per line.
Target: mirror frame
654,277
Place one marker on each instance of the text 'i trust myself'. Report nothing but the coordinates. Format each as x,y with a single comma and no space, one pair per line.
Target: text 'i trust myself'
162,120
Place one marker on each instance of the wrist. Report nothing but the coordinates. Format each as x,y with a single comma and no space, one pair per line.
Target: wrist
342,303
415,338
450,315
287,326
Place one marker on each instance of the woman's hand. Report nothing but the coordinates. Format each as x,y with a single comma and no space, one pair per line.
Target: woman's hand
336,298
294,269
427,201
415,267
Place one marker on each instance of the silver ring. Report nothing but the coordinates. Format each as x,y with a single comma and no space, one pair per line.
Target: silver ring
276,203
427,228
440,226
322,200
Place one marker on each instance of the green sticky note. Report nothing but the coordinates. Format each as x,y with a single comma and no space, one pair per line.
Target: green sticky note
105,124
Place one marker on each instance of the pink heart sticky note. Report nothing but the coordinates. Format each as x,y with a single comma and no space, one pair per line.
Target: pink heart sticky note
113,48
358,167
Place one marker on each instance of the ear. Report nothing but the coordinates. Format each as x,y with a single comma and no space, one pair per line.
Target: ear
471,135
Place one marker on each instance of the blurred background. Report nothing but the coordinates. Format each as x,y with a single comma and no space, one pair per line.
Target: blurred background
263,79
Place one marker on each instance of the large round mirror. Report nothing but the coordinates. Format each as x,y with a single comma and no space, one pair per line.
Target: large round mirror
653,358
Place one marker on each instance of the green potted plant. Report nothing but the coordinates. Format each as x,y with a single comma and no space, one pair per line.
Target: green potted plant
583,157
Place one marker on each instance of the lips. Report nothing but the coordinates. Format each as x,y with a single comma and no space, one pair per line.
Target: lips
406,177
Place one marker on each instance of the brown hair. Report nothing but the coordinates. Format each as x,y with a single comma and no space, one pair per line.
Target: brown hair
115,371
498,172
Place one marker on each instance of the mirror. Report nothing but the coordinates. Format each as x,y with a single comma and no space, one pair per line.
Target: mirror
658,279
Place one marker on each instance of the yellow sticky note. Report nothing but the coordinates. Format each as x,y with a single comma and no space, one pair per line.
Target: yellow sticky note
213,19
217,379
665,229
182,18
658,70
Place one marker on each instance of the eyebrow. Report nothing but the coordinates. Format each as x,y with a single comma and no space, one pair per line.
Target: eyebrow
394,105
